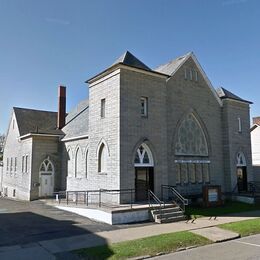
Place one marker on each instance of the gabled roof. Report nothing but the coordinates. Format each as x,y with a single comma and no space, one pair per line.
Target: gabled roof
77,121
81,106
170,67
36,121
129,59
224,93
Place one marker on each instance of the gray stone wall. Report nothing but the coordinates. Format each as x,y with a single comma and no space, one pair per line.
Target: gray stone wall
16,182
45,147
83,180
101,130
135,129
235,141
185,96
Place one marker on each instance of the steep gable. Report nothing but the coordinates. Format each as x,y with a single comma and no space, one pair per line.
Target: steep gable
173,66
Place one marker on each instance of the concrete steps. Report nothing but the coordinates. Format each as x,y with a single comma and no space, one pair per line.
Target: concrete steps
168,214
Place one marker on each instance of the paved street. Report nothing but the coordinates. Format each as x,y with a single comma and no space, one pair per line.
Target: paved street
28,222
247,248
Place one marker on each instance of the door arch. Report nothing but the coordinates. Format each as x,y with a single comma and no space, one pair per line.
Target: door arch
46,178
144,172
241,172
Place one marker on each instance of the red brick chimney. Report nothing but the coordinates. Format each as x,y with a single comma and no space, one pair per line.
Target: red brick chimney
256,120
61,107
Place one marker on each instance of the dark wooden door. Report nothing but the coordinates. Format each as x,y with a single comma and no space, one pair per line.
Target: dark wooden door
241,179
144,181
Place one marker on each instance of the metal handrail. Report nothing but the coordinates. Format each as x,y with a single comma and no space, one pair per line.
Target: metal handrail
159,203
85,194
183,202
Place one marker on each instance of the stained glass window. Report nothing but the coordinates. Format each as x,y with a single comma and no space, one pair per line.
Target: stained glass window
190,138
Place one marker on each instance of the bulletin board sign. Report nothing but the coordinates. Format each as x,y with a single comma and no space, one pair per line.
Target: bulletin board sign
212,195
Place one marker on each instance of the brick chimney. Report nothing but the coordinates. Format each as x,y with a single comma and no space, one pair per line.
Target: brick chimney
61,107
256,120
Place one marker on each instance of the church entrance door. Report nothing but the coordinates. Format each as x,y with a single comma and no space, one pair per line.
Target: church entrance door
241,172
241,179
46,178
144,181
46,185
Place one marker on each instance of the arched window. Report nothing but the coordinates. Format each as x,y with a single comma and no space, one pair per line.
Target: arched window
241,160
86,169
143,156
69,164
46,166
191,139
78,161
102,158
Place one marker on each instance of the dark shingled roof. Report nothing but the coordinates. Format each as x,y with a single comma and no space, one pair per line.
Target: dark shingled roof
36,121
77,121
224,93
130,60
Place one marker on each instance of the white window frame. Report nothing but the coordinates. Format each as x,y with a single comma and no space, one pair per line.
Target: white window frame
7,164
103,108
15,164
239,125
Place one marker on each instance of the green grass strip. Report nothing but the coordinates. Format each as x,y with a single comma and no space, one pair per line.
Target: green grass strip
165,243
245,227
228,208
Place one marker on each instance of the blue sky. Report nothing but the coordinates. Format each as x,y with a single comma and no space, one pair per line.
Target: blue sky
48,43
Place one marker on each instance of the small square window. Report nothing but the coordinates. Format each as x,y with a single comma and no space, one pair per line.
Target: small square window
144,104
103,108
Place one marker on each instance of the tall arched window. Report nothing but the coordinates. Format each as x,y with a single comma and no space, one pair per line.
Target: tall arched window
69,164
78,161
191,139
86,166
102,158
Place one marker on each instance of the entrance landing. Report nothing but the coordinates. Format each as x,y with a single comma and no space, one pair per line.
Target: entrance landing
120,214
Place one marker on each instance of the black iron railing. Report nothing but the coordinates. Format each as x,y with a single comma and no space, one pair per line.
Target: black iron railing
101,197
155,203
175,196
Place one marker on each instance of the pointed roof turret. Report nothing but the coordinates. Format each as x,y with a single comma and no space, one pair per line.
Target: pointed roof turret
129,59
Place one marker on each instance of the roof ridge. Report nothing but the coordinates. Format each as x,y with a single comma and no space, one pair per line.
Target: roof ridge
33,109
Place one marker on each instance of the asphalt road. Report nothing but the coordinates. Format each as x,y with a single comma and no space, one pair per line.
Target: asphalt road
28,222
247,248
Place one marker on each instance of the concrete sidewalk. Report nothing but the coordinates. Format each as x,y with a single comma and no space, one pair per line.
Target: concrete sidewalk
48,248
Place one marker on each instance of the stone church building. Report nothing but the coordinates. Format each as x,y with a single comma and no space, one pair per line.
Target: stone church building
140,128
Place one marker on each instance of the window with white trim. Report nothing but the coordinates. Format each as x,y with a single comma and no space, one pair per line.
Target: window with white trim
144,106
102,159
86,166
22,164
26,163
11,165
78,162
15,164
239,125
103,108
7,164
